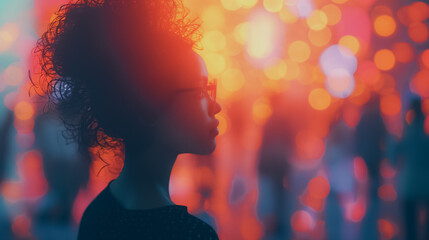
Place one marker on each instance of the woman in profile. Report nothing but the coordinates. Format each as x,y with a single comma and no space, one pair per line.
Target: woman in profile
123,75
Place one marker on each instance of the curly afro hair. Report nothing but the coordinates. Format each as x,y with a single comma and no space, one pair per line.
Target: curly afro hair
99,59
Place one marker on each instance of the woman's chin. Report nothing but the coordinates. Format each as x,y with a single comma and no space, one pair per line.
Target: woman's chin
206,149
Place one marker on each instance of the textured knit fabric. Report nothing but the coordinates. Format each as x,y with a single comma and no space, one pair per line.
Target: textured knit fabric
106,219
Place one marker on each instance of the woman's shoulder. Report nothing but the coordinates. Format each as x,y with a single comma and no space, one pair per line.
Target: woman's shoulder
198,229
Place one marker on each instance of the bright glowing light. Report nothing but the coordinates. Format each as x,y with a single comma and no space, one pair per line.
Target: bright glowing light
420,83
232,48
425,58
263,35
13,75
302,221
249,3
320,38
232,5
317,20
418,32
309,146
241,32
213,17
384,25
319,187
223,124
214,41
293,69
232,80
339,1
339,83
335,57
276,70
215,62
305,7
418,11
386,228
350,42
319,99
368,73
9,32
273,5
23,110
299,51
287,16
390,105
333,13
404,52
387,192
261,110
355,211
355,21
384,59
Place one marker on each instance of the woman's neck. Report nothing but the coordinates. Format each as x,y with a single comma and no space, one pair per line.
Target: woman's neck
144,180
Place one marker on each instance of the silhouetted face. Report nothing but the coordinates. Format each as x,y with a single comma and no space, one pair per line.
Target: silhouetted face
189,124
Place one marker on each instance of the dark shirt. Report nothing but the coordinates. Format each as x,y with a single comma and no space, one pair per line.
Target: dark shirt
105,218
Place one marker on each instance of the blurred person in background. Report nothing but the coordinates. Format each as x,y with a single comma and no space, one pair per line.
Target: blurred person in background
124,75
273,169
338,160
412,159
66,170
370,137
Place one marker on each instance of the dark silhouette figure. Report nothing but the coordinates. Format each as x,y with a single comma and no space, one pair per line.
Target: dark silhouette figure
338,160
370,143
5,136
413,184
273,168
123,75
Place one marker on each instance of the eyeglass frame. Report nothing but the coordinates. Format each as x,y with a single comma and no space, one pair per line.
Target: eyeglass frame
210,89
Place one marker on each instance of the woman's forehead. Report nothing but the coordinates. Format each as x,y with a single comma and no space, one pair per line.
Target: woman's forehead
193,71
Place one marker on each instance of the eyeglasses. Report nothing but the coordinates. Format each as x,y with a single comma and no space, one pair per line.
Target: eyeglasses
209,89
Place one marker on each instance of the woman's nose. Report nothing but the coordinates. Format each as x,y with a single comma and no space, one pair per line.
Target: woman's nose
216,108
